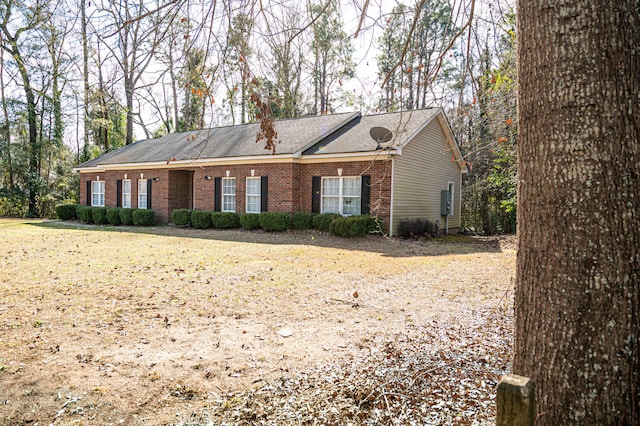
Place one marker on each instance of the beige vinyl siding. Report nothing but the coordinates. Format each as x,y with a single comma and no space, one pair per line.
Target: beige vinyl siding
420,173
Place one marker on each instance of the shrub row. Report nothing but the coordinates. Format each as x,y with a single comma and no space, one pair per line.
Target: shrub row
277,221
106,215
417,227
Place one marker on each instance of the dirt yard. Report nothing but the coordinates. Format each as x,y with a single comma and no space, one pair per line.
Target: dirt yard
163,326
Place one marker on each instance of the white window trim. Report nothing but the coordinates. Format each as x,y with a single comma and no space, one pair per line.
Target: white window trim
340,195
258,195
97,189
142,183
452,198
229,194
124,194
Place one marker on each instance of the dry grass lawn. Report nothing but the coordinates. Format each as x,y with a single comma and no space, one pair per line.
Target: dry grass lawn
145,326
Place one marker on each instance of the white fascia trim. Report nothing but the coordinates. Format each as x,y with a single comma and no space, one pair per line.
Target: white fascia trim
448,134
180,164
355,156
271,159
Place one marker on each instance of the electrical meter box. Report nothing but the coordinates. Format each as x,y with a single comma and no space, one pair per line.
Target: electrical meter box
445,203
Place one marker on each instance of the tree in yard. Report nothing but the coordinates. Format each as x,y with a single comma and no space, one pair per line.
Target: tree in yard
285,61
28,19
135,29
578,281
332,52
390,46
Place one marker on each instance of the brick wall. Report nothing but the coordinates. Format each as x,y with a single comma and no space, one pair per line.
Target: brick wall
380,172
289,185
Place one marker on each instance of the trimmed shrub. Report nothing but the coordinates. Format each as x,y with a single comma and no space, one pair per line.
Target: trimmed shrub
126,216
250,221
302,220
66,211
275,221
181,217
143,217
113,216
417,227
225,220
99,215
352,226
84,214
201,219
322,221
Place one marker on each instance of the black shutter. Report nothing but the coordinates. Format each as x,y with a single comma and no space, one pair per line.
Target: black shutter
264,192
365,194
315,194
119,193
149,184
217,194
88,192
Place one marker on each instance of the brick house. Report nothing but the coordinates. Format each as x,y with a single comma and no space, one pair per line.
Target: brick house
328,163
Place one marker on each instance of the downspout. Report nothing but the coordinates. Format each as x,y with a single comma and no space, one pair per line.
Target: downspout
393,175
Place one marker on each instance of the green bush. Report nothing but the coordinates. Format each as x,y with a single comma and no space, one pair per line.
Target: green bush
322,221
201,219
181,217
225,220
66,211
99,215
352,226
143,217
126,216
417,227
250,221
84,214
113,216
275,221
302,220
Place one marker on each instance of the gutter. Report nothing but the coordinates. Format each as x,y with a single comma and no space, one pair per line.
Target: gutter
266,159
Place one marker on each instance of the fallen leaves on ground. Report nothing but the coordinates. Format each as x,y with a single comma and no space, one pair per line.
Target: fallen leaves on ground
439,374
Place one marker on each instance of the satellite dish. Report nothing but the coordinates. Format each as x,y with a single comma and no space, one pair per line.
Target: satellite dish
380,134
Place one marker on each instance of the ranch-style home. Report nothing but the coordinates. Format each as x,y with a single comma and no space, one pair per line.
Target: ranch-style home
397,166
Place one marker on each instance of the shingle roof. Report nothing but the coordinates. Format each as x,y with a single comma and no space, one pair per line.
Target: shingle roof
355,136
324,134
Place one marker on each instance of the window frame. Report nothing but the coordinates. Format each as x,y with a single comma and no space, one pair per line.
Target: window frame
227,197
253,196
142,194
341,196
126,195
100,193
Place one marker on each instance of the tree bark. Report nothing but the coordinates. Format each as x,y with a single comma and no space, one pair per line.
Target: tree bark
578,279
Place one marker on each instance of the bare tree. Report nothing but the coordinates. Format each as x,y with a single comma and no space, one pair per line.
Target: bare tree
132,36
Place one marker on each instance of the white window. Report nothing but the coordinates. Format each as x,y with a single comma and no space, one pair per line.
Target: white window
341,195
451,198
142,193
126,193
228,194
97,193
253,195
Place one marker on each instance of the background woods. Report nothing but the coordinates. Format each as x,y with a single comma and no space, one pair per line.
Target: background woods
81,78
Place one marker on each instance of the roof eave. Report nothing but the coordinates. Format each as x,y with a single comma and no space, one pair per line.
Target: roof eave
271,158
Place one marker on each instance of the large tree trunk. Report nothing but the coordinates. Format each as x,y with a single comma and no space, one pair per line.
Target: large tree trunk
578,268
